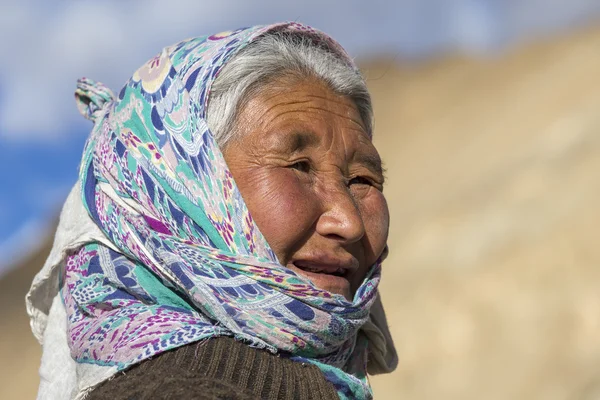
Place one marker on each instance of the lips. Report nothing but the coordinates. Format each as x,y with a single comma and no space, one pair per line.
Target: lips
319,268
327,273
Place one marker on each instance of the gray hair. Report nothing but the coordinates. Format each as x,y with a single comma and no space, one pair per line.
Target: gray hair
277,55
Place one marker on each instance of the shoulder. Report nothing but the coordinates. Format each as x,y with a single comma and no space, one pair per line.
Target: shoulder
218,368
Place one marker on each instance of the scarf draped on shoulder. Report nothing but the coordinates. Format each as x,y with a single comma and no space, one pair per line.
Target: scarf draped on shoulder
182,259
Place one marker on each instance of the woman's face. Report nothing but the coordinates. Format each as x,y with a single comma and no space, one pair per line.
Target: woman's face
312,181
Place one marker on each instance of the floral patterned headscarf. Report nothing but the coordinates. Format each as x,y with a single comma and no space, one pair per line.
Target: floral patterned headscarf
187,261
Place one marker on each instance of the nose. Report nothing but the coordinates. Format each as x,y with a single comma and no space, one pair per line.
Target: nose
341,218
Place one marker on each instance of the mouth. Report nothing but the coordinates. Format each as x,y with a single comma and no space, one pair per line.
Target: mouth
329,275
321,269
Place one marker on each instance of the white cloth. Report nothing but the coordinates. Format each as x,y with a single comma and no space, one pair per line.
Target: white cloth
60,376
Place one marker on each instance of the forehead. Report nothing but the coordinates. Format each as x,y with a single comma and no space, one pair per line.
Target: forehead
308,110
288,118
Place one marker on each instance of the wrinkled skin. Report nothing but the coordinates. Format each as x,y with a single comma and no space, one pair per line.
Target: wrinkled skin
312,181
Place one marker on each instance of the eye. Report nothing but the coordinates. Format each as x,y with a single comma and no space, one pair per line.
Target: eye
302,166
360,180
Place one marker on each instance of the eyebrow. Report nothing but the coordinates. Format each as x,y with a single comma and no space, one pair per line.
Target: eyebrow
301,140
372,162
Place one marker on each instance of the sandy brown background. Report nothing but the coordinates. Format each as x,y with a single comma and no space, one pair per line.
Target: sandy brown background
492,288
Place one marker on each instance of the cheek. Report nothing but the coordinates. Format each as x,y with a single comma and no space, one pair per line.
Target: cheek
376,217
280,207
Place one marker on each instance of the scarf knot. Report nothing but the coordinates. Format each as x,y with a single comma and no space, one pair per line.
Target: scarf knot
92,97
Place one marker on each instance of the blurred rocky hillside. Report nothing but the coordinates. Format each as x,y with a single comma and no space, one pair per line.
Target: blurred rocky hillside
492,285
493,282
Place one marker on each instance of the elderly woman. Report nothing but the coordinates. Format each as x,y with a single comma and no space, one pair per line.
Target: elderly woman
226,234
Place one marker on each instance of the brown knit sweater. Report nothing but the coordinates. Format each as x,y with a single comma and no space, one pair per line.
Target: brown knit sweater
219,368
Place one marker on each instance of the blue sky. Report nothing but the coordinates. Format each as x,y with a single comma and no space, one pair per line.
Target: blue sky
46,46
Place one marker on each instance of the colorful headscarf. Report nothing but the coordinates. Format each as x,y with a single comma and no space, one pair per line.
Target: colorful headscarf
188,261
